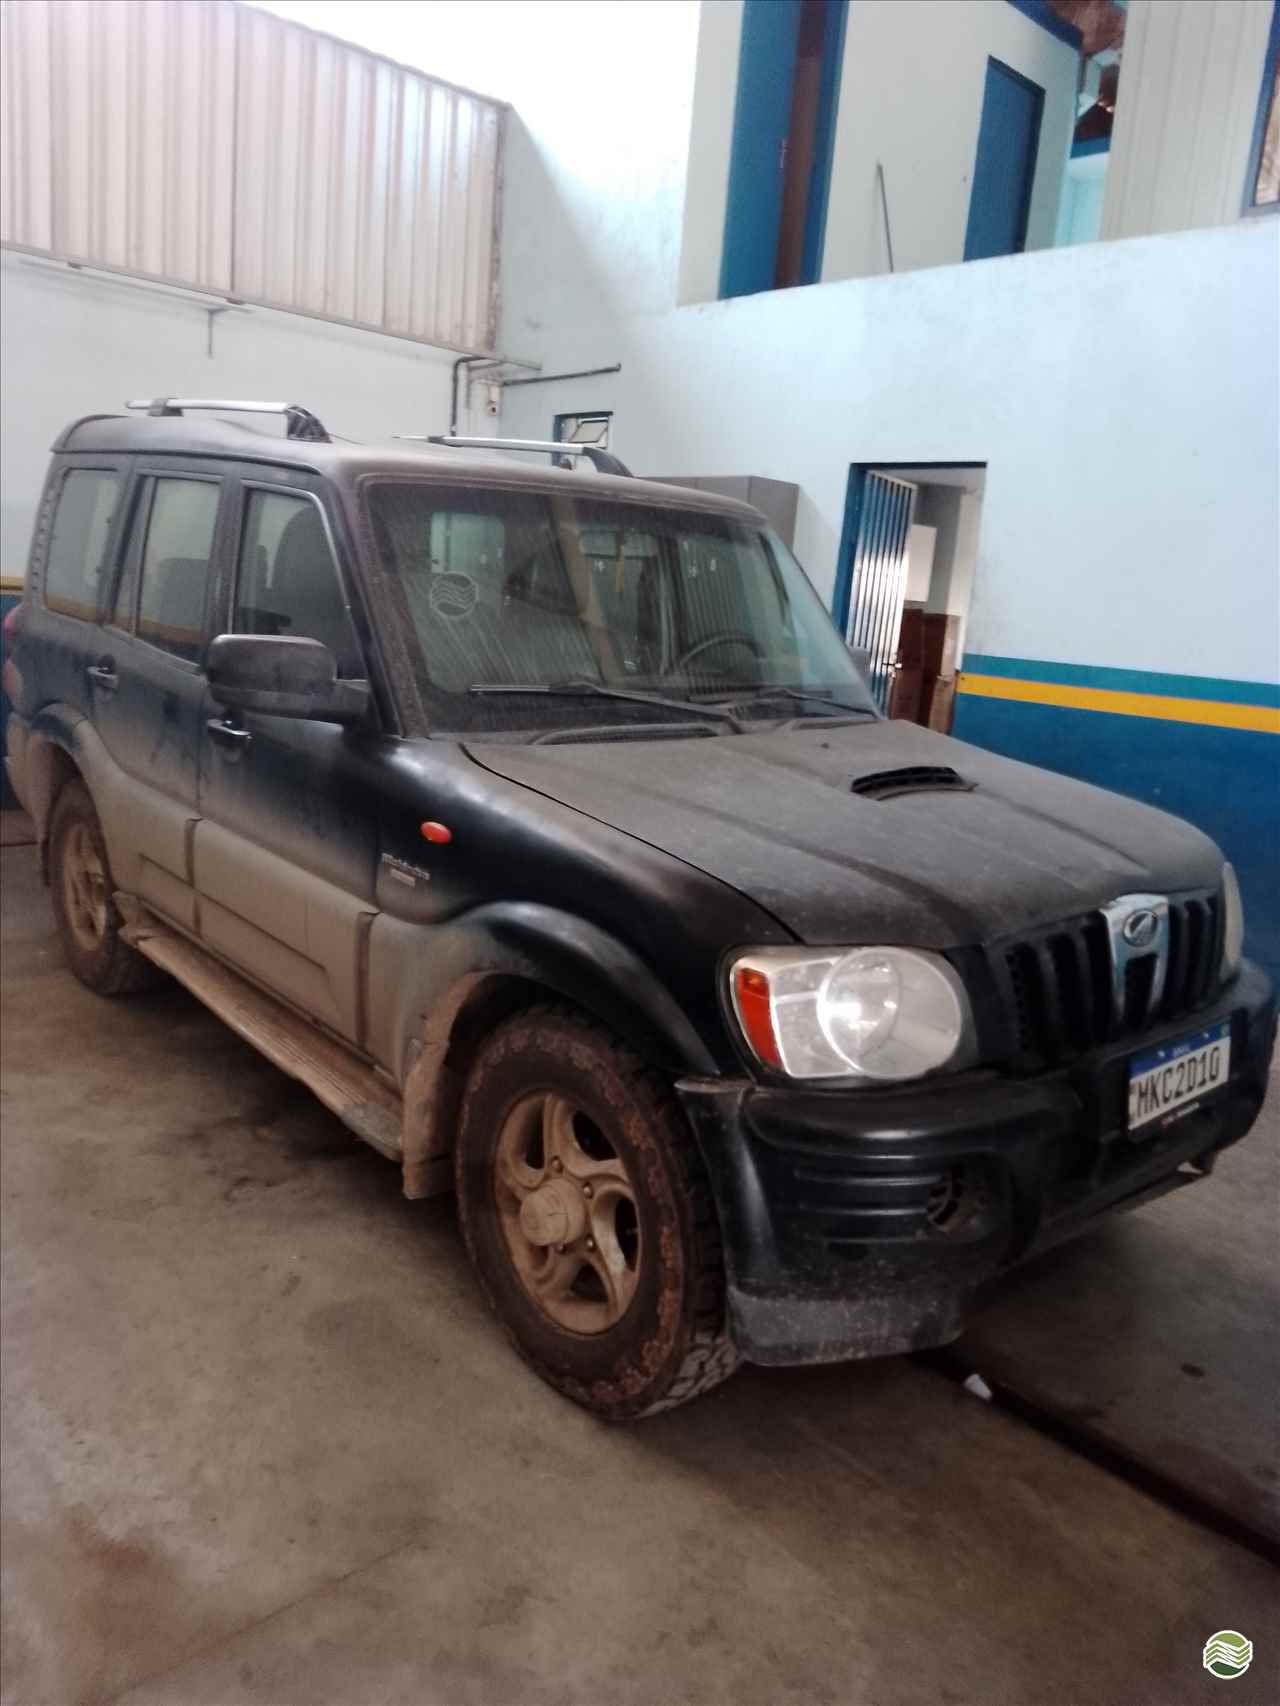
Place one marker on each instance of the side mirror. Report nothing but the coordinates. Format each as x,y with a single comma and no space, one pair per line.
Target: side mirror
282,677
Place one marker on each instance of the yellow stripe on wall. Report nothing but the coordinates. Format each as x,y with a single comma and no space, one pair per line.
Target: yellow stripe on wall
1263,718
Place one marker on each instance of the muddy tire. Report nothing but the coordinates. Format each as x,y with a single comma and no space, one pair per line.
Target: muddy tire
588,1217
83,901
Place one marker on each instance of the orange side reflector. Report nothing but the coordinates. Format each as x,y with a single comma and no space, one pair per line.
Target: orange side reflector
438,833
751,993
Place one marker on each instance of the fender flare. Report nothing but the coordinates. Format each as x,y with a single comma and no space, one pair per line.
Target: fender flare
506,953
55,728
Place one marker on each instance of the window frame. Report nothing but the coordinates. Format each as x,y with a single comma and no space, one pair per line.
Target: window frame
420,694
119,468
216,476
558,423
246,486
1251,208
140,491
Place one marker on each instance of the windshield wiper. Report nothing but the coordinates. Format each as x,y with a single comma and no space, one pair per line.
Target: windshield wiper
761,690
584,688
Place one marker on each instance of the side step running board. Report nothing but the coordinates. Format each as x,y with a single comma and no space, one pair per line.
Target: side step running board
347,1086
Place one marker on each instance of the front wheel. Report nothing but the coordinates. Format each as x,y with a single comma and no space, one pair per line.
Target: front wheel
588,1217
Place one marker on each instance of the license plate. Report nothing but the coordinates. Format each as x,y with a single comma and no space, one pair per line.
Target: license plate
1180,1074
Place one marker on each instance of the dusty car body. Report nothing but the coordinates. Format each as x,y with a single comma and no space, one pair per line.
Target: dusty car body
540,822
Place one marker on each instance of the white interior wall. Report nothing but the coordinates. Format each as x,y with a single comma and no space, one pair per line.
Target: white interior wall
911,90
1083,191
75,343
911,97
594,168
941,506
952,588
715,91
1122,396
921,546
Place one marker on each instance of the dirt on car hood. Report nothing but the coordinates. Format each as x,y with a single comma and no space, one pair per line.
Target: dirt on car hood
775,815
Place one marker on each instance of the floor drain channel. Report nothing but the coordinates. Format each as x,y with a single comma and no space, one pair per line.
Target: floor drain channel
1086,1442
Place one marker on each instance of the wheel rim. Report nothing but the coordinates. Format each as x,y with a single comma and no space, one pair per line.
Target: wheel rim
84,888
568,1213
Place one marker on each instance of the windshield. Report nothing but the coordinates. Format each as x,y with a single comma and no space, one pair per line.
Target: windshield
605,611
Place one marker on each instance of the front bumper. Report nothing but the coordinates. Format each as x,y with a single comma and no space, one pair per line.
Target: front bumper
861,1223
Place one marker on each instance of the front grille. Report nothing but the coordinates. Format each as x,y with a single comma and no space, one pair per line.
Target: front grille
1056,983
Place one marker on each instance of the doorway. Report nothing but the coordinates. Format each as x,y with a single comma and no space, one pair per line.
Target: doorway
783,138
1005,168
904,580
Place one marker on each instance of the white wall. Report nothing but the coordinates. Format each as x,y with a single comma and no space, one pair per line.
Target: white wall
1122,395
715,90
595,169
1083,190
922,544
595,152
911,96
911,90
78,343
959,515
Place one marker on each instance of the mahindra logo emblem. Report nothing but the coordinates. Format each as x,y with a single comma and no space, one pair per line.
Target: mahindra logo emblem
1140,929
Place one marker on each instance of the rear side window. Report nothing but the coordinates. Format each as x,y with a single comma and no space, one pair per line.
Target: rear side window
287,582
175,563
78,541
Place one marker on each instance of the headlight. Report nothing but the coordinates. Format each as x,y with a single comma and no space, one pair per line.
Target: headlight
1232,924
868,1014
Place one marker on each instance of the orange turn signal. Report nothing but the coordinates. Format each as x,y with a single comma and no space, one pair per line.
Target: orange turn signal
755,1014
439,833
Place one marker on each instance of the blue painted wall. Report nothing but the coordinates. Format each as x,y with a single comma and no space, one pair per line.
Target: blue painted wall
1225,781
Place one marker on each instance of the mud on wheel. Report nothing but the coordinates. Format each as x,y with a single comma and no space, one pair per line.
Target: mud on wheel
83,901
588,1217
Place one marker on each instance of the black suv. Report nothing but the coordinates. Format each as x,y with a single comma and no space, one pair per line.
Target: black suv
541,822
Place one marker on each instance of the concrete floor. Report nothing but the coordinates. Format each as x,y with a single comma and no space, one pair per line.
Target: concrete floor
263,1444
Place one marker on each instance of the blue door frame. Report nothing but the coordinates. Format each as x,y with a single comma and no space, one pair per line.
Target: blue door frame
761,123
1004,167
761,117
871,575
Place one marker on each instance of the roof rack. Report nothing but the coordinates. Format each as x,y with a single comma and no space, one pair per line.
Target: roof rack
600,460
299,422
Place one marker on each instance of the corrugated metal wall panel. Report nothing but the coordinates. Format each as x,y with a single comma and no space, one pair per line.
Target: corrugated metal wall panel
212,145
1189,84
136,131
366,192
26,145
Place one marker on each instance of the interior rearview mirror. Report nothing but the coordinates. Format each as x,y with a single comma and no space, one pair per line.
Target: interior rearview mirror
280,676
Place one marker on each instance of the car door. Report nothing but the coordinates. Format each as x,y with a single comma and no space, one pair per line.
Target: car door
147,679
286,846
75,539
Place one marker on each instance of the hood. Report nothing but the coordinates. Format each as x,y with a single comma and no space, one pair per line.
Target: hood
775,816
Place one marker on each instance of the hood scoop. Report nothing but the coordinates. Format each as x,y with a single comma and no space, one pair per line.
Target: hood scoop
914,779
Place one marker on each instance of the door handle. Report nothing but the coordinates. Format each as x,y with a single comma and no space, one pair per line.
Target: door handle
228,735
103,674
